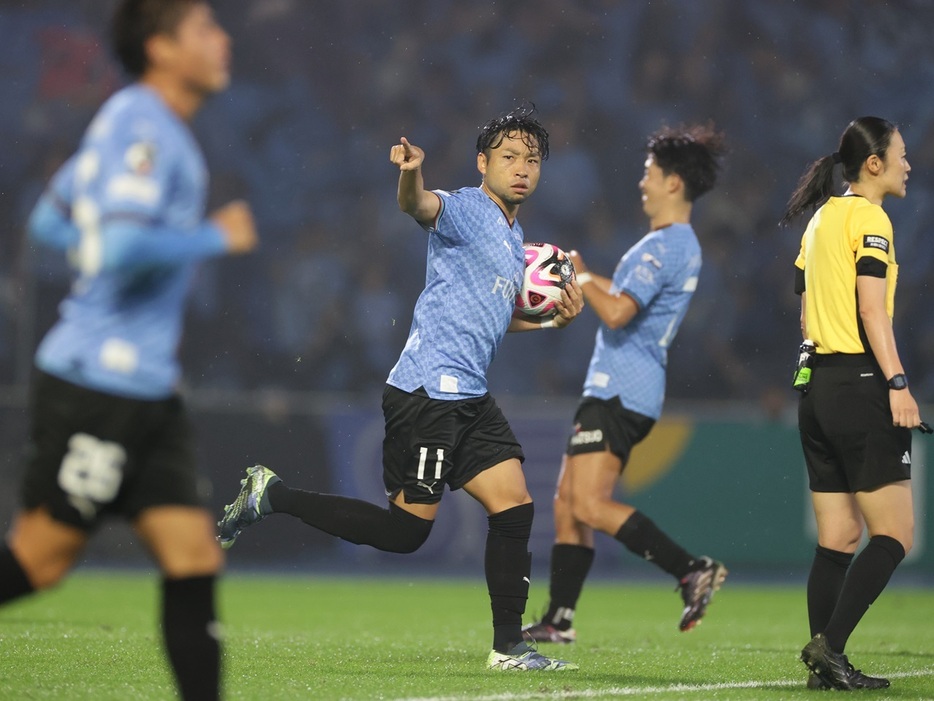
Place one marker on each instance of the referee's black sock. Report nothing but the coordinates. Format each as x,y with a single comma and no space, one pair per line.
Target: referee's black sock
828,572
392,530
508,566
570,565
642,537
191,636
13,580
868,575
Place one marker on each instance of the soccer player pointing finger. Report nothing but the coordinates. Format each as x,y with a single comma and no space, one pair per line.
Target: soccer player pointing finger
406,156
442,425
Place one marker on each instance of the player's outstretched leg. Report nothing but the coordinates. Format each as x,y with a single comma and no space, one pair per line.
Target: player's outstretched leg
834,669
697,589
525,658
251,505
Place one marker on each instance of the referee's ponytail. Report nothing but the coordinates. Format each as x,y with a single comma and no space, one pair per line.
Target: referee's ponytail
862,138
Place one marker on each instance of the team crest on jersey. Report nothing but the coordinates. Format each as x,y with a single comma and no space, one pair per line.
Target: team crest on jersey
141,157
873,241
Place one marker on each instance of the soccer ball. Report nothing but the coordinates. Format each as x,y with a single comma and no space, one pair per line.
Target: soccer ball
547,270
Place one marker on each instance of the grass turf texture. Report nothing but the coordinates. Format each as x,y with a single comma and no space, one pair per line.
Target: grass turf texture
96,637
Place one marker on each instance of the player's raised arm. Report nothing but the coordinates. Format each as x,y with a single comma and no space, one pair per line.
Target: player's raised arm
419,203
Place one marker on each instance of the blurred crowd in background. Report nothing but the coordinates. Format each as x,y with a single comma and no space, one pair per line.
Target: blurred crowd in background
322,90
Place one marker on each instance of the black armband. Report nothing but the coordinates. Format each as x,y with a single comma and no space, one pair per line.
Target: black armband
799,281
871,267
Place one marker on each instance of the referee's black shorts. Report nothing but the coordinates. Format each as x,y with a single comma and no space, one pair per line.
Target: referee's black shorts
91,454
849,441
433,442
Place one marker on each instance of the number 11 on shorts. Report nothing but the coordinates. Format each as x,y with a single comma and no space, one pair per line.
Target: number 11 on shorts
423,458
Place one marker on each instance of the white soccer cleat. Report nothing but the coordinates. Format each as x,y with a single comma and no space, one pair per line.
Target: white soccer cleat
524,658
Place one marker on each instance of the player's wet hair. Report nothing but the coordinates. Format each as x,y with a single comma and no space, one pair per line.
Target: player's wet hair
693,153
518,121
136,21
862,138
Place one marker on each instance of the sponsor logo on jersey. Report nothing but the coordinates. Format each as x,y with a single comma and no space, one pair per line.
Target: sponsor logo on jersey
587,437
879,242
135,188
507,288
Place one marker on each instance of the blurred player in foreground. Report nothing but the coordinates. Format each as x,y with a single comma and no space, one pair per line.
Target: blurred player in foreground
109,435
855,418
442,425
640,310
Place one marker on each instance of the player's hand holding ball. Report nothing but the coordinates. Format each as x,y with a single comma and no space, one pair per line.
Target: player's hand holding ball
570,305
549,288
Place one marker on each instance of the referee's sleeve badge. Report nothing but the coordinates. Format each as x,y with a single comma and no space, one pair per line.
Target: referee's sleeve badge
876,241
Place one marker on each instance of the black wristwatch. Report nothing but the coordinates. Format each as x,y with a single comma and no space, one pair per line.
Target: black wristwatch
898,381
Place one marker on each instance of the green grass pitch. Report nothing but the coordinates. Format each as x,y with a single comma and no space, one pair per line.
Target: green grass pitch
312,637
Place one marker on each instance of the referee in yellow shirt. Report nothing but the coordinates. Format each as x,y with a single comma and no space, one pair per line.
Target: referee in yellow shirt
855,417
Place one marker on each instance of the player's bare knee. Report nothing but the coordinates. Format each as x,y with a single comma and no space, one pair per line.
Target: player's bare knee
587,510
195,561
45,578
842,539
44,568
45,575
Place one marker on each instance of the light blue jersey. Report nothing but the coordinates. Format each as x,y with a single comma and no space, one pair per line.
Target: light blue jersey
475,267
128,208
660,273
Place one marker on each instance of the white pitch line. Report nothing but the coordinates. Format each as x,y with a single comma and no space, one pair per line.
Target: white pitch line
644,690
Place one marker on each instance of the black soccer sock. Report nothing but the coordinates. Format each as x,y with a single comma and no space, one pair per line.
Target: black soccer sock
191,636
392,530
570,565
642,537
868,575
828,573
508,566
13,580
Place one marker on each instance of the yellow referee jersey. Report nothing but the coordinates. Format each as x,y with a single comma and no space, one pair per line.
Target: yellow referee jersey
843,232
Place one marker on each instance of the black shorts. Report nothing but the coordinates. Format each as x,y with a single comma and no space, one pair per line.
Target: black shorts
604,424
845,420
433,442
91,454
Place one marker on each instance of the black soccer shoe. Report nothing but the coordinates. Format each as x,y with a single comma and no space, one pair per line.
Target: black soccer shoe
697,589
834,669
815,683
